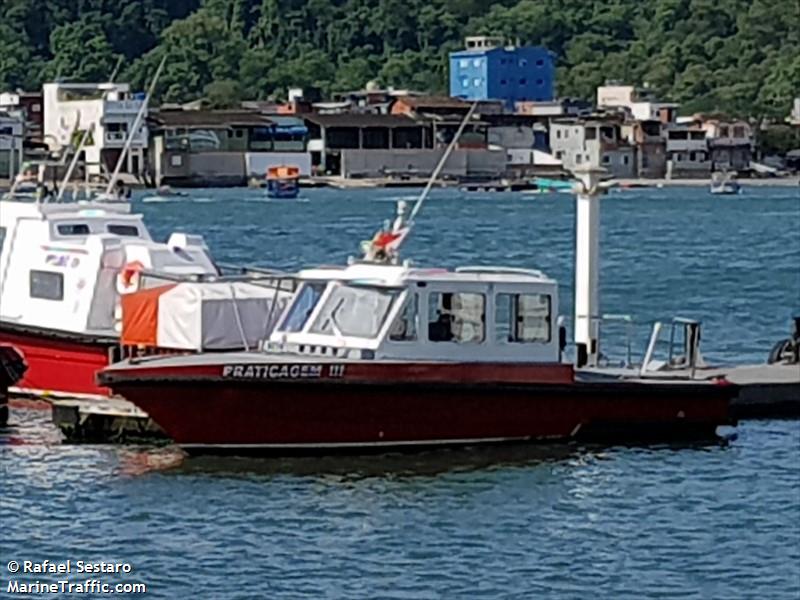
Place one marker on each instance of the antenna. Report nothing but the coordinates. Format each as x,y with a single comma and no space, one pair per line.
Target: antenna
435,175
385,245
136,123
116,69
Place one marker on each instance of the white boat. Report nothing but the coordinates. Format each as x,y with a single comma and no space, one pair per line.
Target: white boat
725,183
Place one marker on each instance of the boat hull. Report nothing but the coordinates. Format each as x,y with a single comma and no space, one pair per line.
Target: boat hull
411,405
59,363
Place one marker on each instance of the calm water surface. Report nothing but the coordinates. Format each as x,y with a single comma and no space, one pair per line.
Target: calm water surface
711,521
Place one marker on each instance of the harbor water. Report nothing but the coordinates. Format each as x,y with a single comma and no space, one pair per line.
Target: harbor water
717,520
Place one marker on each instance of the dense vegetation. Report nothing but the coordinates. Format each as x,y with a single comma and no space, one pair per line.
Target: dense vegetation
738,56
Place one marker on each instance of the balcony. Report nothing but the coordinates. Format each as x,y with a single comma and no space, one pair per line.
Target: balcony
117,138
126,107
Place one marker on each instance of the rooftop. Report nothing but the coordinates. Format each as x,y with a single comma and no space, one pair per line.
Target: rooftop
208,118
399,275
362,120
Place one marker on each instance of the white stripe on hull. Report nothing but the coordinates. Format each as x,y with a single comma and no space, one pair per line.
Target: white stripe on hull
332,445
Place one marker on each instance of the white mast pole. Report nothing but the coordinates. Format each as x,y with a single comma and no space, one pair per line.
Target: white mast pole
587,263
136,123
435,175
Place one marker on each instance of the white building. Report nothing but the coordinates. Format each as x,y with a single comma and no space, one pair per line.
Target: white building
594,141
794,117
108,110
12,129
639,102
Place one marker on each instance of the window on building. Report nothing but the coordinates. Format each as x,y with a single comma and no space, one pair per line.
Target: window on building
123,230
559,155
476,82
456,317
503,82
566,134
540,82
523,81
591,133
558,134
723,131
37,108
626,159
239,133
476,62
522,318
46,285
465,82
645,161
73,229
578,158
464,63
523,62
540,63
176,160
738,131
606,159
678,157
692,156
697,135
404,328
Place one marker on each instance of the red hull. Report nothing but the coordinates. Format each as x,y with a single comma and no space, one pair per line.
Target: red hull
58,364
407,406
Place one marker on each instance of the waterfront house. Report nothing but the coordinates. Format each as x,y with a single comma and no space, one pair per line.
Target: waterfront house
12,128
200,147
353,145
730,141
488,69
594,140
651,147
687,152
108,111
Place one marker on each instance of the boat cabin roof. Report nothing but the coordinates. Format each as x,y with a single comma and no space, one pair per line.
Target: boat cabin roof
402,275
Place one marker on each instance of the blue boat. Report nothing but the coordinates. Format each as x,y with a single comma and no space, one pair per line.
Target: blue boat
283,181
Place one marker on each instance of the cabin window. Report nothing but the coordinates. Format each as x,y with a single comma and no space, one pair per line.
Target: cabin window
456,317
304,304
355,311
405,327
522,318
2,238
46,285
123,230
73,229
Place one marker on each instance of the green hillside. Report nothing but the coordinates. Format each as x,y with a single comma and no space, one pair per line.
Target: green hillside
738,56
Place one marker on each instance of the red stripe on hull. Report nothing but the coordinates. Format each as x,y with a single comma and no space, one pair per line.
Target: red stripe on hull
59,365
284,414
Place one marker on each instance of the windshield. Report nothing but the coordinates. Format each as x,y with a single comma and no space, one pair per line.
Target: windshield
303,306
354,311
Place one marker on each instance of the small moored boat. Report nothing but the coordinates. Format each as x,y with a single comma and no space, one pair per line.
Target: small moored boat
725,183
283,181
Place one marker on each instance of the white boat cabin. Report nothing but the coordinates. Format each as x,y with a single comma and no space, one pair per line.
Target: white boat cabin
396,312
63,265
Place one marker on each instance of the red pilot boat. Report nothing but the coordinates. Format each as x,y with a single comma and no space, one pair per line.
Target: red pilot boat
388,356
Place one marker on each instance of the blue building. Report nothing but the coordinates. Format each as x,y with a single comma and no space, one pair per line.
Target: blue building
488,70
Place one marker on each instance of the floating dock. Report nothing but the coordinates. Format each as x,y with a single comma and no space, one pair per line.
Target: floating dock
103,420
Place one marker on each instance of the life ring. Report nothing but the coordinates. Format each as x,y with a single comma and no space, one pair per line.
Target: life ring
129,277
